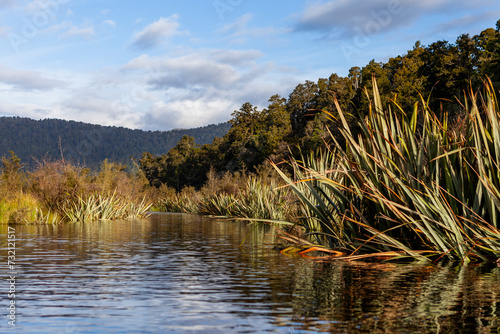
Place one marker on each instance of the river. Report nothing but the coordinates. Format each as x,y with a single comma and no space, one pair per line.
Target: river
175,273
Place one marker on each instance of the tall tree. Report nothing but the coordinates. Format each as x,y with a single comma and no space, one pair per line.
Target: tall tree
488,44
405,77
301,106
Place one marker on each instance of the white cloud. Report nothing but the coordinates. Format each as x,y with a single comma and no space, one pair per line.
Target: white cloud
345,18
189,113
45,7
156,93
154,33
110,23
30,110
58,27
27,80
4,31
240,31
4,3
468,20
202,87
221,69
91,106
237,57
74,31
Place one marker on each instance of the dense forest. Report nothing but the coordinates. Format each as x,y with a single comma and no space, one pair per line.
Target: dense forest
441,72
88,144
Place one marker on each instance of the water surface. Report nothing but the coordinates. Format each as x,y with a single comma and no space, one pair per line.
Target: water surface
175,273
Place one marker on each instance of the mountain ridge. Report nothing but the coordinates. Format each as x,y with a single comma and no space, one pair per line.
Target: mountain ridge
89,144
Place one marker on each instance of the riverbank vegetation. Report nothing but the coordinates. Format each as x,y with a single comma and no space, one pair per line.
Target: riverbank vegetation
398,159
58,191
409,184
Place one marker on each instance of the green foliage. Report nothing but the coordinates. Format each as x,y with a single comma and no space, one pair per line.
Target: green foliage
186,201
56,182
11,178
25,209
257,200
59,191
184,165
254,135
258,196
406,186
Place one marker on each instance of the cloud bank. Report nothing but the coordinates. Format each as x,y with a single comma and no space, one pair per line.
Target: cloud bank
153,34
346,18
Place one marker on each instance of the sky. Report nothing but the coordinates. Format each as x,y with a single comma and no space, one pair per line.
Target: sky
160,65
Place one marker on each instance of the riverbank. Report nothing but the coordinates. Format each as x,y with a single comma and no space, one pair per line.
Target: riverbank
414,185
58,191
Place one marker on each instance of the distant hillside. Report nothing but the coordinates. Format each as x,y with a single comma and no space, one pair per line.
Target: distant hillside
90,144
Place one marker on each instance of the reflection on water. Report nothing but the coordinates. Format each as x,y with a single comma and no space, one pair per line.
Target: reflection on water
186,274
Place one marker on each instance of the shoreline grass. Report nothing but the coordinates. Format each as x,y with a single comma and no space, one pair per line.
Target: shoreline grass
408,183
58,192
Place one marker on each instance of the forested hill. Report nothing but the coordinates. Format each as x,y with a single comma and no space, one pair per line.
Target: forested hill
90,144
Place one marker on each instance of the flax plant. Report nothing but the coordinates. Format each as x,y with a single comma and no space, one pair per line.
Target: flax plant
408,183
259,200
107,207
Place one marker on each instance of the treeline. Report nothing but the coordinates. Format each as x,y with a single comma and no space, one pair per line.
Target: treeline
441,71
89,144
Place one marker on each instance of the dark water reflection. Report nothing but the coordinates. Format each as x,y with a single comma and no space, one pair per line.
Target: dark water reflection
186,274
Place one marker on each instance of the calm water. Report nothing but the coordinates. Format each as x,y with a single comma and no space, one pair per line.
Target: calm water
185,274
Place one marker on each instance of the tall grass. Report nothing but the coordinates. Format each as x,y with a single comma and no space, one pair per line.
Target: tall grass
258,200
25,209
59,191
186,201
260,196
95,207
408,183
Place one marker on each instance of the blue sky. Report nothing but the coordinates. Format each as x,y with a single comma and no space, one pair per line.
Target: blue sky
159,65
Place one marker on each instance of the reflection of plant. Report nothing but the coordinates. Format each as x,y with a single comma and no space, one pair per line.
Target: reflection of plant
408,183
387,298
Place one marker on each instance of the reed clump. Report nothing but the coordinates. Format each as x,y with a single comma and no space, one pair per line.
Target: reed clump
58,191
410,185
259,196
104,207
257,200
185,201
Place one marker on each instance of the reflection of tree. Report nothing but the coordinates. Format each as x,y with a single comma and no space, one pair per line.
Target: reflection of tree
396,298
